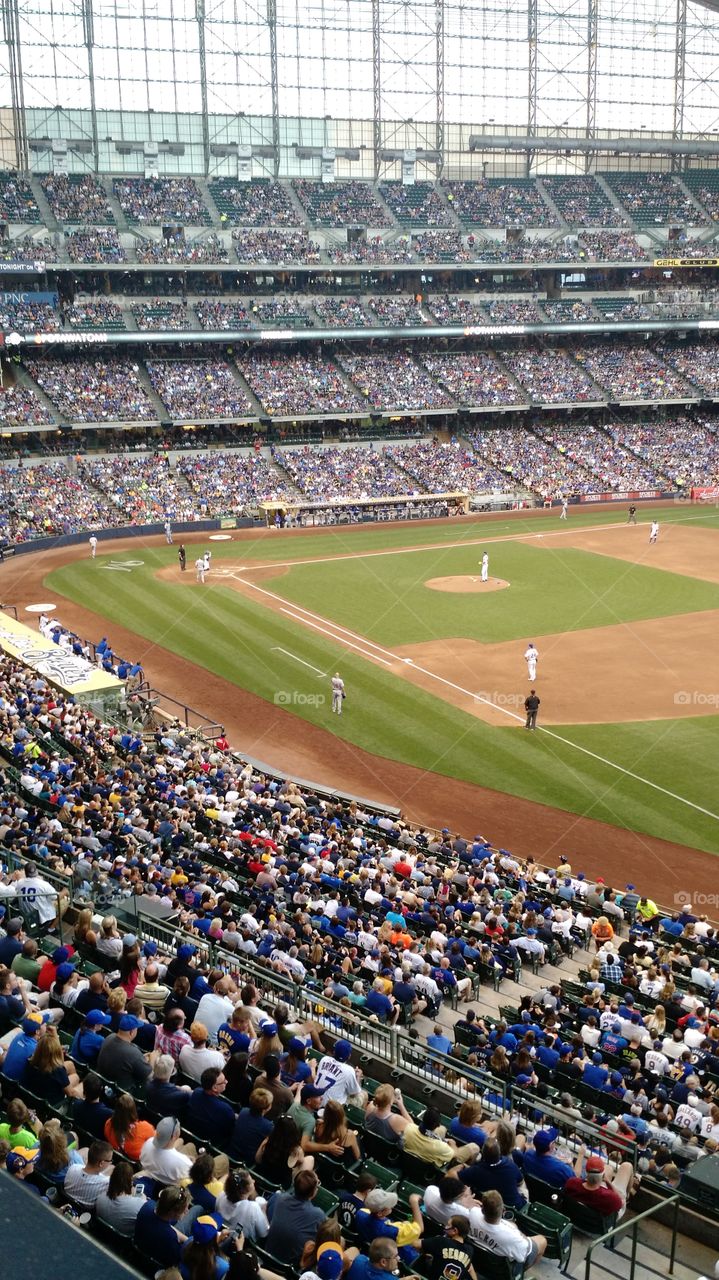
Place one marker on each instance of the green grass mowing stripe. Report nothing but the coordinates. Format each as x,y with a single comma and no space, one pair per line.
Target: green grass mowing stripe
234,638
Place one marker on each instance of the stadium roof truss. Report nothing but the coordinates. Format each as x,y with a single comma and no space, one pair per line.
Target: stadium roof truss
293,84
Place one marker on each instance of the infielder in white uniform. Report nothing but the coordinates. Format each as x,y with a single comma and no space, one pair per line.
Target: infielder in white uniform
93,545
565,506
200,568
206,560
485,567
168,532
530,657
338,692
654,531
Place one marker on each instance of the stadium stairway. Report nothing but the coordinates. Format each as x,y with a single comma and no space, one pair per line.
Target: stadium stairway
652,1257
561,222
46,213
121,222
24,379
701,218
163,413
614,202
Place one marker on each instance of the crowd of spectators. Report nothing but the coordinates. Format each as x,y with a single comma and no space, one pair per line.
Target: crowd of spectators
532,462
341,313
160,314
440,246
393,380
46,500
633,373
101,313
94,390
144,490
568,311
439,467
279,311
695,361
341,204
161,201
456,309
473,378
582,202
76,198
684,449
27,248
397,310
17,202
229,481
275,246
20,407
333,474
292,385
653,198
262,202
581,1085
198,389
373,251
610,246
549,376
615,467
28,317
211,249
499,202
416,205
514,311
223,315
94,244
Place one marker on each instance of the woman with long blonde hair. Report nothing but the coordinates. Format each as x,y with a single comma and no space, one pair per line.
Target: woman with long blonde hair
46,1073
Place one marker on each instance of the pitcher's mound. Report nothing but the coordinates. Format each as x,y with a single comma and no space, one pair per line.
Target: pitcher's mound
462,584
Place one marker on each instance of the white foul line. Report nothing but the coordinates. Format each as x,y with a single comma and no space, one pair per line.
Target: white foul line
277,649
327,628
340,639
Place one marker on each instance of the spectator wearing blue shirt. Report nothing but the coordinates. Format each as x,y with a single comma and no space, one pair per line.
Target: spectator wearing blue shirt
23,1046
595,1073
208,1115
87,1041
466,1125
495,1172
547,1055
439,1041
380,1004
540,1161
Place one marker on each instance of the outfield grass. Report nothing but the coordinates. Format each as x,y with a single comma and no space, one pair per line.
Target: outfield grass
237,639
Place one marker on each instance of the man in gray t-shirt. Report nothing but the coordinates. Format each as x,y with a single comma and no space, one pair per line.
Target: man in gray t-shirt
293,1218
120,1060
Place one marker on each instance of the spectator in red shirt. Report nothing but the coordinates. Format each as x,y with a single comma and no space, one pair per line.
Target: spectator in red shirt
48,971
601,1189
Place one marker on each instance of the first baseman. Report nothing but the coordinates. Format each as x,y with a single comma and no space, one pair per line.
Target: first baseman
338,692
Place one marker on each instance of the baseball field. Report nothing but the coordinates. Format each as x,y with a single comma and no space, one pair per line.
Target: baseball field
432,660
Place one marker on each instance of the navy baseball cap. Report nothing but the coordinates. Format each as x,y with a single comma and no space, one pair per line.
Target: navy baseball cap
311,1091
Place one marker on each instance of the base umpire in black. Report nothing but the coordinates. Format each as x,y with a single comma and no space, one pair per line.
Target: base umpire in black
531,706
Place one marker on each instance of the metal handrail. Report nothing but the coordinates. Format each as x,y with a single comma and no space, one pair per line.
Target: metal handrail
632,1224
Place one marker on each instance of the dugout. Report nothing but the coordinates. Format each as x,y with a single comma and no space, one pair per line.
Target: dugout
72,675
